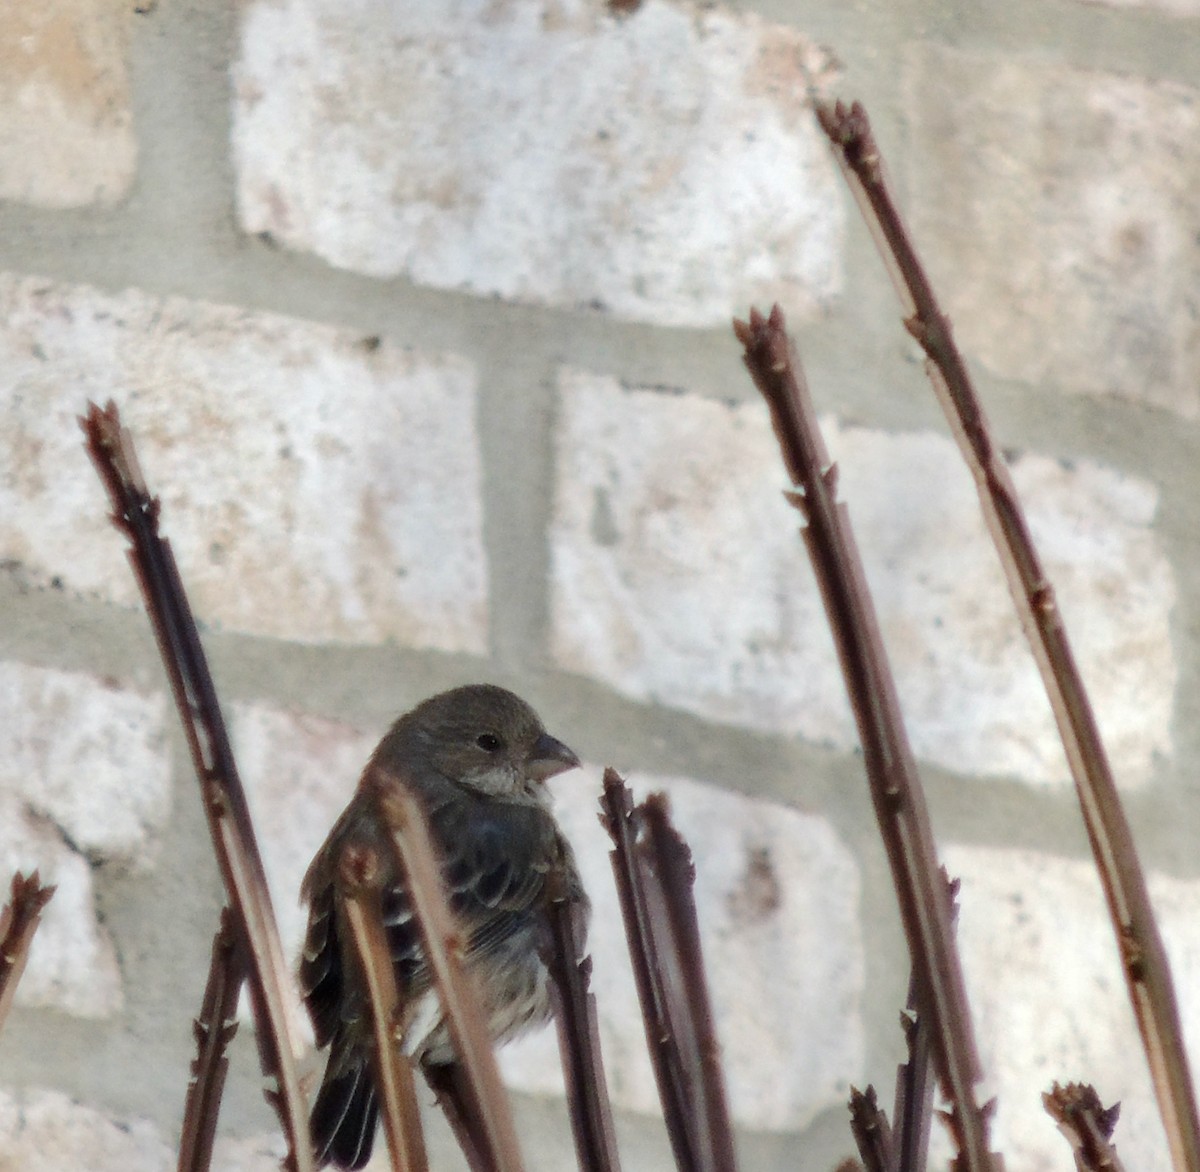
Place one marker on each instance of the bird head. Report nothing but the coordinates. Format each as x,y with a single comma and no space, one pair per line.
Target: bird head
489,740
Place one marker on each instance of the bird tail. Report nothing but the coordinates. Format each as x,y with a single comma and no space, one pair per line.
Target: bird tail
346,1111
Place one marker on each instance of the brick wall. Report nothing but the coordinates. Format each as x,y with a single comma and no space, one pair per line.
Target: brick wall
420,313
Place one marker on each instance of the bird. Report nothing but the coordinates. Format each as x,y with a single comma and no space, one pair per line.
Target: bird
477,759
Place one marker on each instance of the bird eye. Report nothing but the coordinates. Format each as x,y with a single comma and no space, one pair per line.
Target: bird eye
489,742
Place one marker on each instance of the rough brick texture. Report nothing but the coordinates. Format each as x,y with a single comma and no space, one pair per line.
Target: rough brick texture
46,1129
1061,209
84,774
305,472
72,963
661,167
1050,1001
87,754
42,1128
66,127
678,577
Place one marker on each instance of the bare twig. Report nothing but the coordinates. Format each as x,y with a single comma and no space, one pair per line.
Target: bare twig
654,875
453,1093
485,1098
579,1036
136,513
895,785
359,908
213,1030
913,1112
618,820
668,874
872,1134
1087,1123
18,922
903,1144
1143,957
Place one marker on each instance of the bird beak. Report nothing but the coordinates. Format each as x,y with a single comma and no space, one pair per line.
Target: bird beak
549,757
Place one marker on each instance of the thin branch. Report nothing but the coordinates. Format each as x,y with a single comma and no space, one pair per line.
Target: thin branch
213,1031
579,1036
461,1004
912,1115
618,820
913,1112
453,1095
1087,1123
903,1144
872,1134
655,876
896,789
1139,944
136,514
18,922
665,863
359,909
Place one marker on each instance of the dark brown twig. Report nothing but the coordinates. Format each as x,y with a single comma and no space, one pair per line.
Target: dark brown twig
484,1096
136,514
872,1134
1139,944
213,1031
912,1115
665,862
453,1093
1087,1123
18,922
654,875
360,910
618,820
896,789
579,1036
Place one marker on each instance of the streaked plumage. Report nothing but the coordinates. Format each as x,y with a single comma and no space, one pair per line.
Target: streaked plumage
478,758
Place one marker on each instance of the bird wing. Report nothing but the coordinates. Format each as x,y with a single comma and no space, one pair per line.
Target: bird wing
321,979
495,860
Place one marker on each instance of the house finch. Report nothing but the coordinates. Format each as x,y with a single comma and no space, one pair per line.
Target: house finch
477,759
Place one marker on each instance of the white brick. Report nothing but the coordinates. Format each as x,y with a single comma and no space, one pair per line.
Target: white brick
316,485
777,895
678,577
1049,1000
72,963
1060,214
299,771
45,1129
661,166
84,770
89,755
66,126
